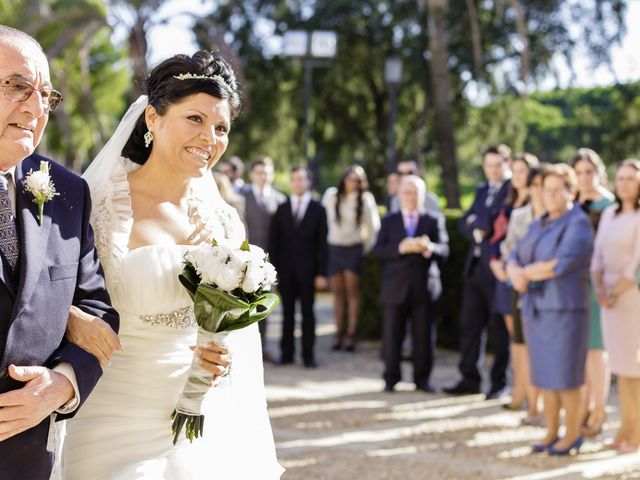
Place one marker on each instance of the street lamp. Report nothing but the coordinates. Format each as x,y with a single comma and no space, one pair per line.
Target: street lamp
392,79
314,48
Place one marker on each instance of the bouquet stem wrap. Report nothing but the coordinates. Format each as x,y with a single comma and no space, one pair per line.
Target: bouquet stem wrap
217,314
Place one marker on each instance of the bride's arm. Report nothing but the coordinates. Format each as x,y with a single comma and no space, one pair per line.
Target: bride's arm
92,334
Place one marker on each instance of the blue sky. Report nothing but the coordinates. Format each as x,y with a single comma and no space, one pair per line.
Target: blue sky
176,37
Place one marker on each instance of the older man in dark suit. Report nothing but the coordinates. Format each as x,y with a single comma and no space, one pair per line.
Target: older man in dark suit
47,265
477,311
407,243
299,252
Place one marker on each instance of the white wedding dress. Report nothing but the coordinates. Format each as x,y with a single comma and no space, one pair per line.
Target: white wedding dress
123,431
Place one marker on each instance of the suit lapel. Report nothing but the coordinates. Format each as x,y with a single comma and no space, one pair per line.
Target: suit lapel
399,224
33,236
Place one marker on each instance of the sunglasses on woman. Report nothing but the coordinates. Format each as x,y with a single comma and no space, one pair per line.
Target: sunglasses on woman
20,91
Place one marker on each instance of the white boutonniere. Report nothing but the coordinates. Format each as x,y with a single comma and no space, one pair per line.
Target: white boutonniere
39,184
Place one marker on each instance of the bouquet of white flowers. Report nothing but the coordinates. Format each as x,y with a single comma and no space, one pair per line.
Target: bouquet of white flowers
229,287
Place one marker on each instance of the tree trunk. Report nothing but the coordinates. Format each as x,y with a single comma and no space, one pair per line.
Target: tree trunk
138,53
441,92
523,33
476,39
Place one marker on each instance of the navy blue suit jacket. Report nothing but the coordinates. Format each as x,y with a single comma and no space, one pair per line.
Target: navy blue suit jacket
58,267
482,217
404,277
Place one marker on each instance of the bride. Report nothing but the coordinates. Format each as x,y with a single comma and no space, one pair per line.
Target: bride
154,198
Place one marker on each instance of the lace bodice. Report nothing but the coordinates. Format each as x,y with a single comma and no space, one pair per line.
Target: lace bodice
112,220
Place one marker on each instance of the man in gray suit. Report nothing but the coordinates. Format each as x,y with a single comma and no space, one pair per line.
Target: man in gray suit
261,203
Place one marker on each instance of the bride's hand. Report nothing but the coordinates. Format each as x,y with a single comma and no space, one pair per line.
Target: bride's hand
92,334
214,358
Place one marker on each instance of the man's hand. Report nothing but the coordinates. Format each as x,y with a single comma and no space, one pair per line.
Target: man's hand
92,334
44,392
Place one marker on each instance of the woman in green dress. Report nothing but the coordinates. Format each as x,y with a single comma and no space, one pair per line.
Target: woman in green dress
594,198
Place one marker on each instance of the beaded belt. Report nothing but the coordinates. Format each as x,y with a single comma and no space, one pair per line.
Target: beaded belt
181,318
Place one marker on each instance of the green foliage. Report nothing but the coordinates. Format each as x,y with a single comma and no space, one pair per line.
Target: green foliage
554,124
85,66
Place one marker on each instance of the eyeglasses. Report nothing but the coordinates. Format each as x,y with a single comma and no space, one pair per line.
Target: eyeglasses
20,91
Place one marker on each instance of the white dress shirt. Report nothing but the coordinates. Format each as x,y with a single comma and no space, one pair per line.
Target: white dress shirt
299,205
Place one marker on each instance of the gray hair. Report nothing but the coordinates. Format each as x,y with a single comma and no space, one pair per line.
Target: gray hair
421,188
13,36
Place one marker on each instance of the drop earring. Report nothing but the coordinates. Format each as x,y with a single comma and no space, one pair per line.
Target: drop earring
148,138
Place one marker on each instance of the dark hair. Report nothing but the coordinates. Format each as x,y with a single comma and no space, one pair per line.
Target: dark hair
535,172
363,186
635,164
261,161
594,159
499,149
530,161
164,90
301,168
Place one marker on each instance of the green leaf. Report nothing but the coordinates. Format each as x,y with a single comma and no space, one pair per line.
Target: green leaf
189,279
245,246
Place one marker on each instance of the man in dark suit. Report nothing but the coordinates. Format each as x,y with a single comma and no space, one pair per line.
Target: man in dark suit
407,244
476,314
47,265
261,203
298,249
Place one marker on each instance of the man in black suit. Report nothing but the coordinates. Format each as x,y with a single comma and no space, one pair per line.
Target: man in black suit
477,226
298,247
407,243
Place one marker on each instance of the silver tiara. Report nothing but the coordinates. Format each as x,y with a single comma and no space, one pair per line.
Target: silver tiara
216,78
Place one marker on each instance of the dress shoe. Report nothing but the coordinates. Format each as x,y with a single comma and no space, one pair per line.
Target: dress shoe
267,358
389,388
567,451
497,394
461,389
311,363
337,343
426,387
514,407
543,447
350,344
284,361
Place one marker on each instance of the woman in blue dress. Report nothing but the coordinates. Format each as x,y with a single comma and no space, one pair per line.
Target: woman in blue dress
550,267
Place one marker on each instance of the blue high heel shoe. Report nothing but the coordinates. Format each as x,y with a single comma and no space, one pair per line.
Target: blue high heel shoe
567,451
543,447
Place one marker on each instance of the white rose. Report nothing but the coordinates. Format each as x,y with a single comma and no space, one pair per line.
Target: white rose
269,275
206,262
38,182
253,278
229,274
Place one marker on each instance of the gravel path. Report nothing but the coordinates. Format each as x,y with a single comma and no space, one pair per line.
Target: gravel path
335,423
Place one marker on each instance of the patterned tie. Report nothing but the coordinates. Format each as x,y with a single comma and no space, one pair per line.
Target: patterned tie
8,231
